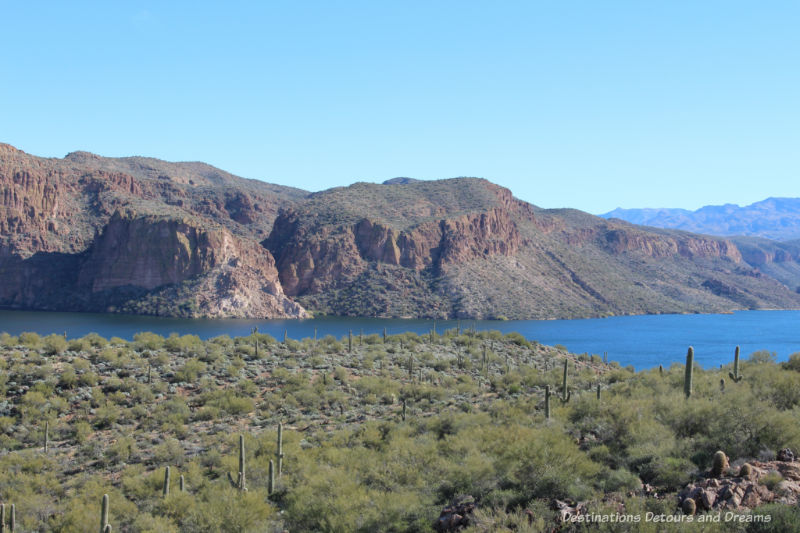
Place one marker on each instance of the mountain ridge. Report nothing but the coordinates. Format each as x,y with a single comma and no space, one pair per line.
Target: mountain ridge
144,236
776,218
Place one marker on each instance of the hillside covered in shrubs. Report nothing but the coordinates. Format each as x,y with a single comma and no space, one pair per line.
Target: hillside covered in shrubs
447,431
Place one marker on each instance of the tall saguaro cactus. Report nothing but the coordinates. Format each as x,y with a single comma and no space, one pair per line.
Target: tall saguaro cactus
279,452
565,392
736,376
255,337
547,402
241,482
165,491
687,378
103,514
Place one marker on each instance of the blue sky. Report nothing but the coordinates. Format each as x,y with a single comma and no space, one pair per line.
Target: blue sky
591,105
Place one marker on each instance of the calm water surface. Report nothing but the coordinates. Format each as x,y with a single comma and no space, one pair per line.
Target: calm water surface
642,341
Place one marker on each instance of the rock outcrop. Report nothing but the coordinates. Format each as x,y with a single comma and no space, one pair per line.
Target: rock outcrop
747,489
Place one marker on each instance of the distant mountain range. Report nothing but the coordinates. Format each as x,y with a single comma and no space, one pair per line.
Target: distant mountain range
143,236
773,218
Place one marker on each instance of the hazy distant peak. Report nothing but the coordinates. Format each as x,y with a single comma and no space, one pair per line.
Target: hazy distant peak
772,218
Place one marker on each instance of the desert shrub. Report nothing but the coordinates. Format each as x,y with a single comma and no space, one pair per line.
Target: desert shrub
229,402
121,450
793,363
782,518
190,370
95,340
54,344
8,341
761,357
169,452
30,339
148,341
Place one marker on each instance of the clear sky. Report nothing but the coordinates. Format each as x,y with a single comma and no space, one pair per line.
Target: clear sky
592,105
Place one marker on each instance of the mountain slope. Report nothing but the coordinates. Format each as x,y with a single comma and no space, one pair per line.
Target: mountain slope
468,248
139,235
773,218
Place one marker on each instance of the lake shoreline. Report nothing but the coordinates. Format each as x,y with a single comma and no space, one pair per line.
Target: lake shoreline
644,341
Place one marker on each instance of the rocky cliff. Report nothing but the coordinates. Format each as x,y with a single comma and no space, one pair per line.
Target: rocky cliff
81,234
139,235
468,248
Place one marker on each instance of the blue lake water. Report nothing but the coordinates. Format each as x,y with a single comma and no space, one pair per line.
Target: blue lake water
641,341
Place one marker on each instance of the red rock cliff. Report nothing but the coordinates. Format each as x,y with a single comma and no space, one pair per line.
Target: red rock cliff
237,277
313,256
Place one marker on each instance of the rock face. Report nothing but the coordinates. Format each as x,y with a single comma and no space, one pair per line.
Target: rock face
312,258
140,258
139,235
79,234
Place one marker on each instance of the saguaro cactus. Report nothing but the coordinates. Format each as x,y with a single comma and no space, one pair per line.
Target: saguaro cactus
279,452
598,391
687,378
166,482
565,392
735,375
103,513
547,402
182,483
241,482
46,436
255,337
271,481
350,341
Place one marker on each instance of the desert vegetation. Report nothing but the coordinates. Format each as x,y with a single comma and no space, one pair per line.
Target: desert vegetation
381,433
